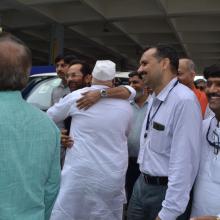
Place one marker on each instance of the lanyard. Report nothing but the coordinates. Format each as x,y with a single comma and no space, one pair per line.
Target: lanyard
149,119
216,143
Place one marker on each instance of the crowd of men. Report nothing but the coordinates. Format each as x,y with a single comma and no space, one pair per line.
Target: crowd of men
100,146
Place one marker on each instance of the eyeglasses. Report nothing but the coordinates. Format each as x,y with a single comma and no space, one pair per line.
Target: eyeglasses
216,137
74,75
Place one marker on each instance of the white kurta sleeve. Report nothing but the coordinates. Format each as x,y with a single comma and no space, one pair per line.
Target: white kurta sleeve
62,109
132,92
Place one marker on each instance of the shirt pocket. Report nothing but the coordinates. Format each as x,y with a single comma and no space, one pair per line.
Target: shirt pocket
159,141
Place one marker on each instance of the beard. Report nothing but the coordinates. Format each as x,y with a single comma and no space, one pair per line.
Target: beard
139,94
75,86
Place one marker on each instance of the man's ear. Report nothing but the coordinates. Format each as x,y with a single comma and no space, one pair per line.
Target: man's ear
165,62
88,79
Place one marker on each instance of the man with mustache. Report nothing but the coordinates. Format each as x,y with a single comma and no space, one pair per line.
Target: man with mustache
206,201
77,77
170,147
139,106
62,64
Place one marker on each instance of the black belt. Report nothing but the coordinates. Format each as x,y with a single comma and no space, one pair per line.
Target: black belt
155,180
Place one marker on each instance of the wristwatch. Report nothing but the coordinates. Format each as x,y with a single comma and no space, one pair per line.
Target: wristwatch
103,93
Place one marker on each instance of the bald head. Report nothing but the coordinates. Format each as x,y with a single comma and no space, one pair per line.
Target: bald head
15,63
186,72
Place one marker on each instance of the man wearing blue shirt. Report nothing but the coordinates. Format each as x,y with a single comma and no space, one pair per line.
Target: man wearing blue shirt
170,141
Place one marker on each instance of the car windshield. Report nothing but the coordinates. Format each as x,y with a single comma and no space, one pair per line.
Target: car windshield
40,96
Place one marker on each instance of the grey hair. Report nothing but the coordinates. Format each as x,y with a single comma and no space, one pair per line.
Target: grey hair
190,64
15,63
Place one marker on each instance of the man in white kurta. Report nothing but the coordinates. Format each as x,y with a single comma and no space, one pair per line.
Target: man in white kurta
93,176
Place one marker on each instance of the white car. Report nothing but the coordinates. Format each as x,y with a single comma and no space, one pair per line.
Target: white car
39,89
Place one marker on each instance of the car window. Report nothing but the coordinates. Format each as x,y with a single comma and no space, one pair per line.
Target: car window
40,96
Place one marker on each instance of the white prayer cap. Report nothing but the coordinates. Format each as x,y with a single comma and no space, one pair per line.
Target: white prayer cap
104,70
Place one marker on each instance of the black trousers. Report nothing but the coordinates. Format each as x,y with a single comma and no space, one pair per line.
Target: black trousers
132,175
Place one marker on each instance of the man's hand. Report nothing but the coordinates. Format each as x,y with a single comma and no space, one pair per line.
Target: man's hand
204,218
88,99
66,140
157,218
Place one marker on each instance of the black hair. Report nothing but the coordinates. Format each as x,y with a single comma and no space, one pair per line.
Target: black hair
59,58
69,58
212,71
166,51
135,73
86,68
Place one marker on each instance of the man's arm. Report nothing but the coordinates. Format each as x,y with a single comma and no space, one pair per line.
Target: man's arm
91,97
61,110
53,182
206,218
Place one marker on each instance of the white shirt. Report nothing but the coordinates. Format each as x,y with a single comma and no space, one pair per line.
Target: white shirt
94,171
208,113
172,148
206,199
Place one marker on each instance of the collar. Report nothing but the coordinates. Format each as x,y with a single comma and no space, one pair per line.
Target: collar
132,102
162,96
10,95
